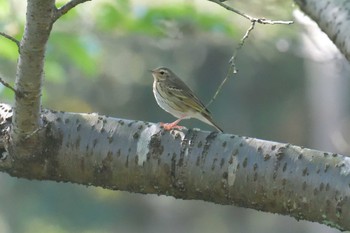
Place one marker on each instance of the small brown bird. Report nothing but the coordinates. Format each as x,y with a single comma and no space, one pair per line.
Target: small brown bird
175,97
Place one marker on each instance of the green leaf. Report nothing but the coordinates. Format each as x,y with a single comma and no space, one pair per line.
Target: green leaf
6,94
109,16
8,49
54,72
4,8
79,51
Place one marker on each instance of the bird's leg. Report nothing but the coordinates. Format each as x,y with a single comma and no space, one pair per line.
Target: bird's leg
173,125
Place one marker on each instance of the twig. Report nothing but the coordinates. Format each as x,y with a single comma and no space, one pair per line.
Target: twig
258,20
228,75
67,7
6,84
232,70
240,45
12,39
35,131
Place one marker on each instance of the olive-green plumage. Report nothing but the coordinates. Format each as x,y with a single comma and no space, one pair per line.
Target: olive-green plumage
175,97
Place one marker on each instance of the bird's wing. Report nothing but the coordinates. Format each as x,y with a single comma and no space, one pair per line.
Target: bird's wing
188,97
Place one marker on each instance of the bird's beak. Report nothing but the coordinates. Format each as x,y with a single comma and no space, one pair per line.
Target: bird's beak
152,71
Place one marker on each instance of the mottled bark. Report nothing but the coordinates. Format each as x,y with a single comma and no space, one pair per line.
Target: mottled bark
333,17
29,76
227,169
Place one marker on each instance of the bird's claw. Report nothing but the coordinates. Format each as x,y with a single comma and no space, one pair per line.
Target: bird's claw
170,126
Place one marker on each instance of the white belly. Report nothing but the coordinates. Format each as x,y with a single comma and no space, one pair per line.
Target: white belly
164,105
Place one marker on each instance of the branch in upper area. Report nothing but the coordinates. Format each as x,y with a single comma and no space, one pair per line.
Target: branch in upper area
67,7
258,20
333,18
17,42
232,70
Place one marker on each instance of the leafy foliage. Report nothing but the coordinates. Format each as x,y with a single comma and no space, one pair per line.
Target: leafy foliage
149,19
74,50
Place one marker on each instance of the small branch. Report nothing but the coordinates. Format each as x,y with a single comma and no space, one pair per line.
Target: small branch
36,131
11,39
240,45
29,78
67,7
232,68
6,84
258,20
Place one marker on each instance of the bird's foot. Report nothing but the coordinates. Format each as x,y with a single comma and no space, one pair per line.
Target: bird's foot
170,126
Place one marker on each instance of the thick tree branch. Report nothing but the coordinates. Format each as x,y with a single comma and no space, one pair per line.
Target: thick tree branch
333,17
190,164
67,7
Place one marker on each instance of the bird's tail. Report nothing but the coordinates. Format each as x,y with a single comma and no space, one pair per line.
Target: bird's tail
206,117
214,124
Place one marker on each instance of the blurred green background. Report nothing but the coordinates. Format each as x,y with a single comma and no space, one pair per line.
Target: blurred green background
97,61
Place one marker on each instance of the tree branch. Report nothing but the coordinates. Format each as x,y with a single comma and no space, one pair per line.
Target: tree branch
333,17
17,42
232,69
258,20
29,76
6,84
67,7
227,169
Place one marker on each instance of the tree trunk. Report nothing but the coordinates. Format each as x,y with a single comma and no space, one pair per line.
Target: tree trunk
333,17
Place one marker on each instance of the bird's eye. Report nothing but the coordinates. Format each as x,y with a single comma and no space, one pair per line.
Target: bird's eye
162,72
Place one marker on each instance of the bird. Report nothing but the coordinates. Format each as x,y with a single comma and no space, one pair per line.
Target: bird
176,98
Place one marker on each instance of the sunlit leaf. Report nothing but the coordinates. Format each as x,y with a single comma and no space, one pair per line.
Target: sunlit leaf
54,72
8,49
4,8
215,24
74,49
6,94
124,4
149,20
109,16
